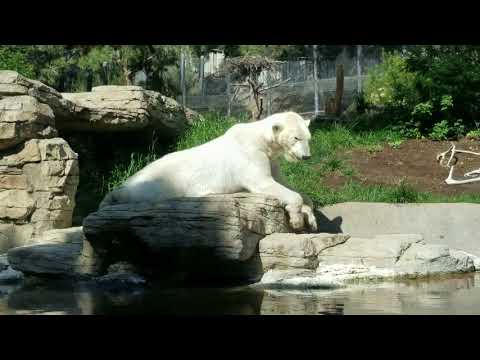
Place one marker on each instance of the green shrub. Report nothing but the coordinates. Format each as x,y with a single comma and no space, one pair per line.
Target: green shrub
431,91
16,58
440,131
390,89
396,143
448,76
391,85
474,134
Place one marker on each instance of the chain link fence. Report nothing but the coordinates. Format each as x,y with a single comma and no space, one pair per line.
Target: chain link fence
291,83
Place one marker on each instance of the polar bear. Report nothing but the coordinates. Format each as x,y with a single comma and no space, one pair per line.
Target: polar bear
245,158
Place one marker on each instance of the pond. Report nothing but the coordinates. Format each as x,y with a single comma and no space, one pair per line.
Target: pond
448,295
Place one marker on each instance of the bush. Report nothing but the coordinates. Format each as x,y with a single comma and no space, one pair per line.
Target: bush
440,131
391,85
16,58
474,134
431,91
390,90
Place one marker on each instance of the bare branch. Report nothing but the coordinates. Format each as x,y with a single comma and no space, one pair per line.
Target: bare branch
275,85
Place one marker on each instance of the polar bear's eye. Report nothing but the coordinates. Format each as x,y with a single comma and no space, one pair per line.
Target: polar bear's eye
298,139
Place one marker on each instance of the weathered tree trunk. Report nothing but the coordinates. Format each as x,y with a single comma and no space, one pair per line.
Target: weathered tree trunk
127,75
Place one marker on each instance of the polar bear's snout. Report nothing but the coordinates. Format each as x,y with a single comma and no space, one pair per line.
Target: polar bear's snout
299,151
291,133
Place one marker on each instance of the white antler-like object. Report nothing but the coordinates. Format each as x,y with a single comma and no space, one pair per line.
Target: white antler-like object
473,175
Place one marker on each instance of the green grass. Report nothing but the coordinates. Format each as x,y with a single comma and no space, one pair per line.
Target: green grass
396,143
327,145
402,193
327,141
123,170
213,126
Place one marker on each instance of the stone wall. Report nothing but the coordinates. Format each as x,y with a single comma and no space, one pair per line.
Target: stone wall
456,225
38,170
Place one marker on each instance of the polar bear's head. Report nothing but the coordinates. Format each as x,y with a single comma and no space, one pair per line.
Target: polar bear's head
291,136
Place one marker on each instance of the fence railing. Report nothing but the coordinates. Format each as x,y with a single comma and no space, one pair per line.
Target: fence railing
296,91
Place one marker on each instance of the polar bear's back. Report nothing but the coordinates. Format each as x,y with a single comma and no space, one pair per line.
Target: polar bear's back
198,171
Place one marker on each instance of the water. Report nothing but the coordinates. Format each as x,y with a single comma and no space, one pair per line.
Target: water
450,295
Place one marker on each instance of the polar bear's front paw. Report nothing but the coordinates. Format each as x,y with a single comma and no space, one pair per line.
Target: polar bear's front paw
312,221
297,221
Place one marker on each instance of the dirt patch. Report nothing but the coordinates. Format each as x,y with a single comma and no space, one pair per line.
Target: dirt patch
415,162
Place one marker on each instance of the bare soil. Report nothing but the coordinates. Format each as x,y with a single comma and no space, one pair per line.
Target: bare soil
415,162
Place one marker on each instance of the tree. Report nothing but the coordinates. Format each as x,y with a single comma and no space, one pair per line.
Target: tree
57,65
16,58
246,70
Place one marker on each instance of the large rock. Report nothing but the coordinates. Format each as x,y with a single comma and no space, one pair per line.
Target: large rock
192,235
105,108
14,84
7,274
125,108
381,251
384,257
59,252
296,251
23,118
38,181
210,239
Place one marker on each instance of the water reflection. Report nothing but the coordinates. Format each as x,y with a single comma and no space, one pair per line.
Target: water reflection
452,295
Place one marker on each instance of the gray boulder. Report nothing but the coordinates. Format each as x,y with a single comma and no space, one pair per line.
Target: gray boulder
7,274
292,251
205,239
10,276
126,108
227,227
384,257
59,252
104,109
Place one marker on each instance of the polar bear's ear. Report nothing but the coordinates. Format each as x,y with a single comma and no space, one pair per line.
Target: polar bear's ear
277,128
307,122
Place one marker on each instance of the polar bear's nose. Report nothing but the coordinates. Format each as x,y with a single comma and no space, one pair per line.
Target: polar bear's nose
306,157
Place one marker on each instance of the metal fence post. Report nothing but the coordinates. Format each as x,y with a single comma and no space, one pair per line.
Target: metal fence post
315,78
359,69
229,96
182,79
202,66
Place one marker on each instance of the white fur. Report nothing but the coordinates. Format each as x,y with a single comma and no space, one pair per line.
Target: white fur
243,159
